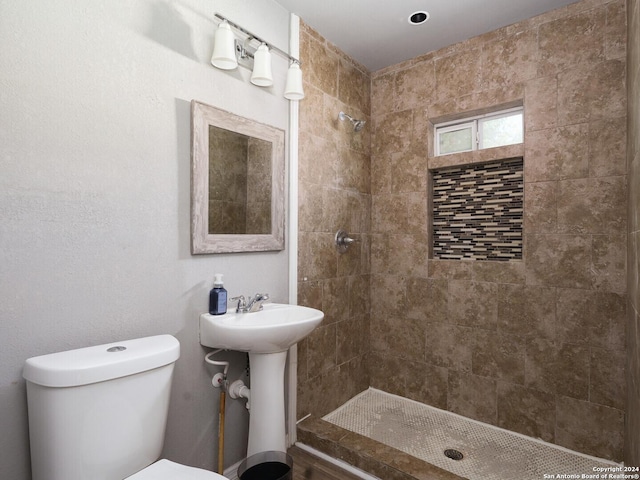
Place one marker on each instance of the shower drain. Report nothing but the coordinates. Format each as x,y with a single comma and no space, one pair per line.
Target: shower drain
453,454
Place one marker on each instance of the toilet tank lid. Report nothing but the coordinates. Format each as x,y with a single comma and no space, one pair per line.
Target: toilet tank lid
101,362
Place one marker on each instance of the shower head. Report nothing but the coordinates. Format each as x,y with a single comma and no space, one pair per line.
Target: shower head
357,124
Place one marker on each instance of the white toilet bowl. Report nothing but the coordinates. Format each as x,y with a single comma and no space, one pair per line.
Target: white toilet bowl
166,470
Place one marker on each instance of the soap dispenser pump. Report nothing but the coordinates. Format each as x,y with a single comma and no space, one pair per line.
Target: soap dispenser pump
218,297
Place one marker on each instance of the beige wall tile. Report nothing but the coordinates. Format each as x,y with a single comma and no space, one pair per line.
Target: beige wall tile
541,207
319,395
591,318
451,270
498,356
561,368
607,147
310,207
526,411
310,294
426,384
592,205
473,304
571,371
427,299
354,86
390,213
320,65
382,95
449,82
335,300
317,160
415,86
540,364
389,295
509,60
359,295
559,260
381,174
384,369
311,109
352,338
570,41
473,396
540,103
321,352
592,92
541,311
615,40
499,272
449,346
316,256
609,261
557,153
607,380
409,173
399,336
354,169
391,133
589,428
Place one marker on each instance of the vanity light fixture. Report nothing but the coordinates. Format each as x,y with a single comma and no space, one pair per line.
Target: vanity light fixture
229,52
261,75
293,89
224,49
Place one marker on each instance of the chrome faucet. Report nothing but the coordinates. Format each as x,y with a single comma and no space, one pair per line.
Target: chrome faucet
254,304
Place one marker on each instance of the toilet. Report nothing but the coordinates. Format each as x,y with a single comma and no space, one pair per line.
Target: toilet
100,412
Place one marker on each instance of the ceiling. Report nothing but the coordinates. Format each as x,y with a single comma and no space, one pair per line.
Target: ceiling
377,33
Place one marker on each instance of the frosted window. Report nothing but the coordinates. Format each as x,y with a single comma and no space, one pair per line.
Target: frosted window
494,129
458,140
500,131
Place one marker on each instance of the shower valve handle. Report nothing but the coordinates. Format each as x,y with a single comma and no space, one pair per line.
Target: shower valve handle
344,241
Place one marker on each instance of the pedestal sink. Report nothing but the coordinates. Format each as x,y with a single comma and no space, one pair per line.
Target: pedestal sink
266,335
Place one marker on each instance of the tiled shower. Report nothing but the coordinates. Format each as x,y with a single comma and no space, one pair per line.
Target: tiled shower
537,346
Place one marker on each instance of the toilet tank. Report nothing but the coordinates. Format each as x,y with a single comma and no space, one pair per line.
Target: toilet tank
100,412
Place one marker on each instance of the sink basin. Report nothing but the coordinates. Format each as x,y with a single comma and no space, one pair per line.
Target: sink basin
273,329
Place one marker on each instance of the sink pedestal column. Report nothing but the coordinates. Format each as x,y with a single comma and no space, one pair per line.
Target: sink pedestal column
266,415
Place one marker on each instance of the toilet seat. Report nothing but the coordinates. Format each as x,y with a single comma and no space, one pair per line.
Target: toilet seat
167,470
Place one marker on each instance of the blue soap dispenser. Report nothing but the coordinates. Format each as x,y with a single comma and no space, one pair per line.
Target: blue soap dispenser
217,297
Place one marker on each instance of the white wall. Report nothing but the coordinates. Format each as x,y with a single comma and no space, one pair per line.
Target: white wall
94,194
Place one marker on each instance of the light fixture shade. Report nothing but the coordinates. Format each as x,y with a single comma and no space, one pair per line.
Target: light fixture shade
293,88
224,49
261,75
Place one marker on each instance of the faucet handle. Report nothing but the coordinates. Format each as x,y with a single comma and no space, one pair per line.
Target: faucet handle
242,302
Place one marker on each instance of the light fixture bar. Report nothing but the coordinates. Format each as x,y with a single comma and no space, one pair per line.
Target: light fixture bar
254,36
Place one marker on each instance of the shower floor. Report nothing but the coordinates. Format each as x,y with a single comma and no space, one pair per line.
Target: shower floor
424,432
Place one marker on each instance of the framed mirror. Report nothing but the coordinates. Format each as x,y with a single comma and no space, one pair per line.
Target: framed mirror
237,183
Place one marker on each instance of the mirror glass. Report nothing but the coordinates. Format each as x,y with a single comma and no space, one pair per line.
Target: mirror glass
237,184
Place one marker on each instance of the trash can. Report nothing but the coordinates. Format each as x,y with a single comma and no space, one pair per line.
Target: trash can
270,465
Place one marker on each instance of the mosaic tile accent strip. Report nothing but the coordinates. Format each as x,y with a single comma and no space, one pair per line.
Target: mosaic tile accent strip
477,211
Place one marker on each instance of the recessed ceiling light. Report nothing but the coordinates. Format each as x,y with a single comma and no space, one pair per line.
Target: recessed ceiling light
419,17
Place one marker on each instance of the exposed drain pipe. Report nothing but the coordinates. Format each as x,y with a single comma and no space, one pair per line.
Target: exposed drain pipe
239,390
219,380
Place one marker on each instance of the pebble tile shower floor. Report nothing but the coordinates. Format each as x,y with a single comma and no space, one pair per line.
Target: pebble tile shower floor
490,453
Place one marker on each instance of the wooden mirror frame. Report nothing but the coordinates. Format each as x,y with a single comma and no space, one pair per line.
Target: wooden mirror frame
202,242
